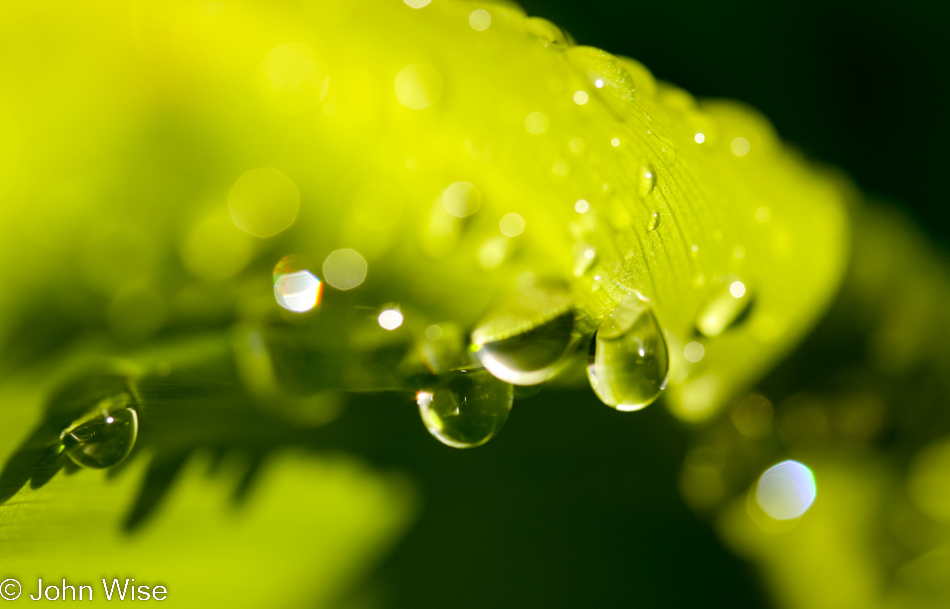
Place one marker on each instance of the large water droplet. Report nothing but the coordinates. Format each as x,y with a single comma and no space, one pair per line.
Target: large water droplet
726,306
103,440
629,360
525,339
465,408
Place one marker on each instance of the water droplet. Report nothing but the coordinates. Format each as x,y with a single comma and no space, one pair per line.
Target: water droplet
647,180
654,221
667,149
548,34
581,206
584,256
629,360
526,339
727,305
465,408
604,71
103,440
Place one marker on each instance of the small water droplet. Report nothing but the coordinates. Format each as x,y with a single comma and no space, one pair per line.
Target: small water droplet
525,339
629,360
604,71
548,34
103,440
465,408
654,221
726,306
666,148
584,256
647,180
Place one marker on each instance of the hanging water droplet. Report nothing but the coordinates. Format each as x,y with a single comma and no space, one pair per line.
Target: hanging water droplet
654,221
103,440
466,408
629,360
647,180
726,306
525,339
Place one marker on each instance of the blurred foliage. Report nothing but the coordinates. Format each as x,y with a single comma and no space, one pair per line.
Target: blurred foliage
159,159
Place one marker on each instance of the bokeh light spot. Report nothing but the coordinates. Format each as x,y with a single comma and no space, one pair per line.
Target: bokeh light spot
461,199
390,318
740,146
694,352
785,491
263,202
294,78
536,123
344,269
479,19
418,86
298,292
512,225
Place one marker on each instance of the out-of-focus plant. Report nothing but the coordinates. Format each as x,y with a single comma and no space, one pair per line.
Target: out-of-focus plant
224,223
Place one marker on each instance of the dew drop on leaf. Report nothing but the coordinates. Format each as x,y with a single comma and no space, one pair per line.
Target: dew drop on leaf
525,339
629,359
646,181
465,408
584,256
725,307
102,441
545,32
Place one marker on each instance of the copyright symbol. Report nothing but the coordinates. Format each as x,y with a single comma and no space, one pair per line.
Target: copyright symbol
10,590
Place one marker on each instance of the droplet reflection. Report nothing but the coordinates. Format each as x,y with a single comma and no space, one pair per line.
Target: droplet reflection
466,408
102,441
629,360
